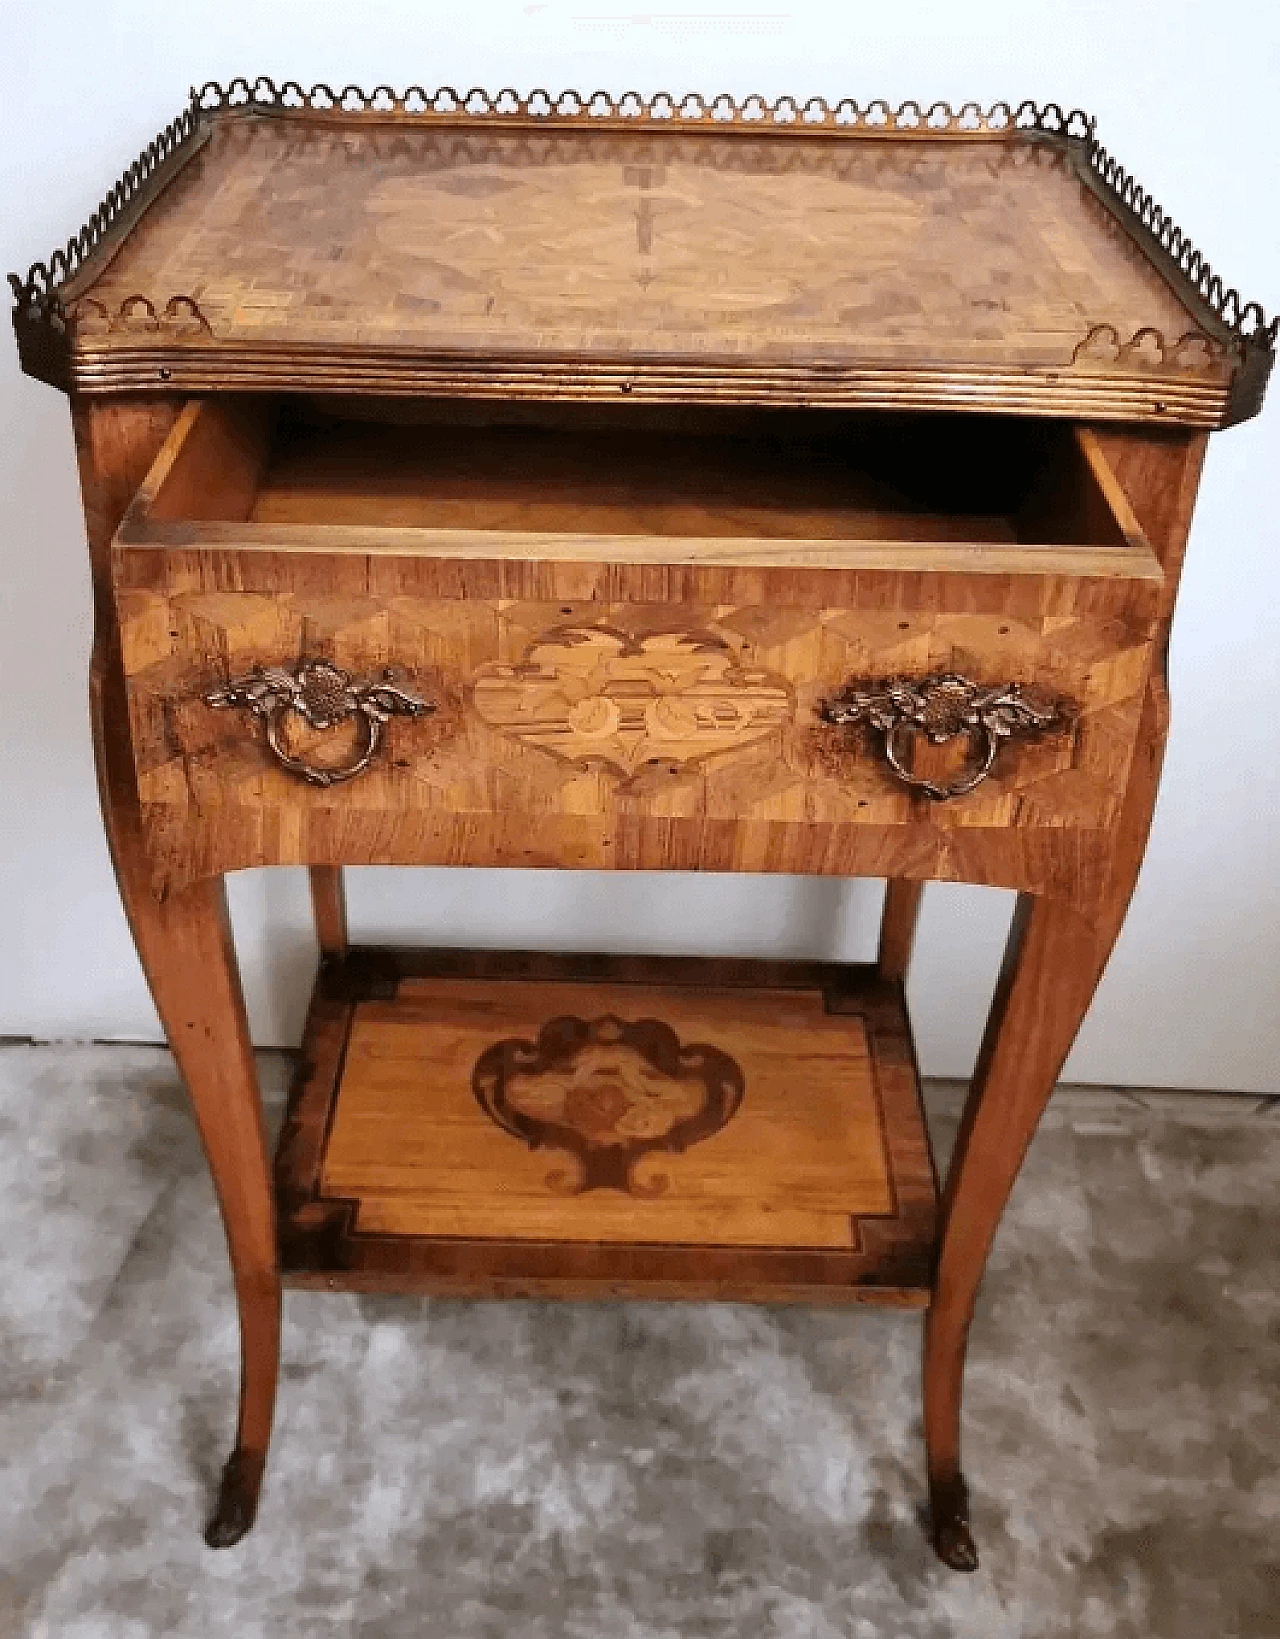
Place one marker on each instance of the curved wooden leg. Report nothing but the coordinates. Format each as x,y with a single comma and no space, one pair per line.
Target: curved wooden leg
187,952
1051,971
189,960
1056,955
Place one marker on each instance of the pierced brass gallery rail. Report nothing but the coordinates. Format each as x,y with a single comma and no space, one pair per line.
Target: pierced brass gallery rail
38,296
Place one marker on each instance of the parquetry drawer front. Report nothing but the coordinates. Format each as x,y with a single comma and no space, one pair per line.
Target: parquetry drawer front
798,657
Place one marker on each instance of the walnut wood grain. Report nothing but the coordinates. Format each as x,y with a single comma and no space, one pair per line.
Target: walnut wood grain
816,1187
780,789
968,268
187,955
901,913
1058,949
721,760
583,428
726,487
329,909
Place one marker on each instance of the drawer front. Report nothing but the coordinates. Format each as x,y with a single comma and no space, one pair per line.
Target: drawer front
644,734
915,648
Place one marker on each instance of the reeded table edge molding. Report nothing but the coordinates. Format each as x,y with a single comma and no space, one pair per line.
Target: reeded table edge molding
1237,331
1084,395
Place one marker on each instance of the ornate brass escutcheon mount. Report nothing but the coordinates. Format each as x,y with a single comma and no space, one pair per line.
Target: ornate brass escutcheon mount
943,707
323,695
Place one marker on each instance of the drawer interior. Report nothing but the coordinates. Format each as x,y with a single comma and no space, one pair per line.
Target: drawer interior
289,468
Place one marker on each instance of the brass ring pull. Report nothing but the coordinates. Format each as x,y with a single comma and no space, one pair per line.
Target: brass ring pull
944,707
964,781
370,728
323,695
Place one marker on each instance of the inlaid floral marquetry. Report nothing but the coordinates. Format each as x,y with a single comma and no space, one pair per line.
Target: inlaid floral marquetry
608,1092
600,698
602,1113
517,759
686,246
786,487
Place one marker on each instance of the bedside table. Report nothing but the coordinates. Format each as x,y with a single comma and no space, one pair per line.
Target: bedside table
618,485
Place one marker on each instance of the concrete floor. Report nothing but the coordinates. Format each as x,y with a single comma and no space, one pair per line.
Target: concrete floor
451,1470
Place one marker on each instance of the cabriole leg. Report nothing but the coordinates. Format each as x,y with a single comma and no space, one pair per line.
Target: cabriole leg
187,955
187,951
1056,955
1050,974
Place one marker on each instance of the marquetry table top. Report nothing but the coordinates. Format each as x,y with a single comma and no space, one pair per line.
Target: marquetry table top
693,251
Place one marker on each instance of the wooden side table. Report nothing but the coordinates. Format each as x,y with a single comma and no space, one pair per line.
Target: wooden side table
669,485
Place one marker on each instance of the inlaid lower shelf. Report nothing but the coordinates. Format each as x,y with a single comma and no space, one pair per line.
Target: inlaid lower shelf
483,1123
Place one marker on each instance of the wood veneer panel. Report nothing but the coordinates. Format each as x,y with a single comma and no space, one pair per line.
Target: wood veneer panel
485,782
813,1181
738,640
801,1157
865,267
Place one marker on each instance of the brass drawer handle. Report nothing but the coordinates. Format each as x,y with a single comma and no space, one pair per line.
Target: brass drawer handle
323,696
942,708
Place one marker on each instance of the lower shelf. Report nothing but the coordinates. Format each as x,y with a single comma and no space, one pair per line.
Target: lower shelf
513,1124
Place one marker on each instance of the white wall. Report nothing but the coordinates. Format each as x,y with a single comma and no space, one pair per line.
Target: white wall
1185,93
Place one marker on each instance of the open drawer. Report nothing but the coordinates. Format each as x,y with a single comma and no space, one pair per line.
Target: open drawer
659,639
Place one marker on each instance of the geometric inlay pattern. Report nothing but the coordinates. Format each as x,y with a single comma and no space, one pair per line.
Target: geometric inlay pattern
443,1108
618,243
454,782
